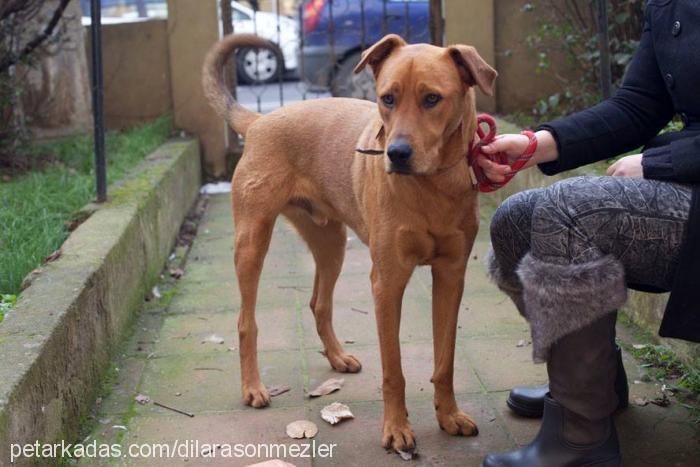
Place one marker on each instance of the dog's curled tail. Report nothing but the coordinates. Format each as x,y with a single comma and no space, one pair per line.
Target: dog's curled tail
215,87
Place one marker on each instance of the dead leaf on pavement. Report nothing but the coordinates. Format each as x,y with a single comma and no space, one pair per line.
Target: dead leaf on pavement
53,256
336,413
662,401
272,463
640,401
142,399
327,387
213,339
277,390
177,273
302,429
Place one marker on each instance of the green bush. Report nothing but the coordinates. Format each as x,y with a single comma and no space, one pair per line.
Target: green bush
569,27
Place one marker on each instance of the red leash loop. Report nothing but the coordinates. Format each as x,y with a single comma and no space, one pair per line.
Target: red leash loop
480,179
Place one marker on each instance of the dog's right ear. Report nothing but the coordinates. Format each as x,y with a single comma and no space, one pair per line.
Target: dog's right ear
375,55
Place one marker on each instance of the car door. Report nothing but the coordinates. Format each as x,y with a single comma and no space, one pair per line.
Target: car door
408,18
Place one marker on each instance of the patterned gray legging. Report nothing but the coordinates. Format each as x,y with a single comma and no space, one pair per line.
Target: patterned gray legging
565,254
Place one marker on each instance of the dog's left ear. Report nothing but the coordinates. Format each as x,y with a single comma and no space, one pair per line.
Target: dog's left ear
473,69
375,55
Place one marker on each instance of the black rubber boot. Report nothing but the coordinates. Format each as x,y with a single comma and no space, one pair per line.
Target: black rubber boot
551,449
528,401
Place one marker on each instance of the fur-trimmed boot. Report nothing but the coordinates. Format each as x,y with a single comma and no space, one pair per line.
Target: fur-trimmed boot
559,299
565,439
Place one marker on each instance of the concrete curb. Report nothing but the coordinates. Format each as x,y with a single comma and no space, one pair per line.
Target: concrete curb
58,341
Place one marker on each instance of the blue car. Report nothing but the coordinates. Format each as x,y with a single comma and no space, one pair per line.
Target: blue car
335,32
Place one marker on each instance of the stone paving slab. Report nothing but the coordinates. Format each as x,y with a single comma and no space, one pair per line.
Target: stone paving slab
167,360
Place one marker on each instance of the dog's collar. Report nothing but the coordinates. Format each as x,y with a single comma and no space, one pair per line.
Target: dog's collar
483,137
370,152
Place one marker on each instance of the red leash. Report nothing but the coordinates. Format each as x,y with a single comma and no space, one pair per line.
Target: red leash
479,178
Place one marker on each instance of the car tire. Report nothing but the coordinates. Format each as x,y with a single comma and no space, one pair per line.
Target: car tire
345,83
268,67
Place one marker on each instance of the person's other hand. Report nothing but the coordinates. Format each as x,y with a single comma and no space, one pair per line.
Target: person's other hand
510,144
628,166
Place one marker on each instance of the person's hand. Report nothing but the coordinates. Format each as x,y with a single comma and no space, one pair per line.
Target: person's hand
628,166
509,144
514,146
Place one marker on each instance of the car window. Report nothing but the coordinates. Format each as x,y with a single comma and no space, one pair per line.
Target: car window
240,16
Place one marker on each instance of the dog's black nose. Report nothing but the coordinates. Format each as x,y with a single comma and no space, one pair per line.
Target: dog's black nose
399,152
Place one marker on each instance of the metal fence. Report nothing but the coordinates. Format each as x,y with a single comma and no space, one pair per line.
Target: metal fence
314,45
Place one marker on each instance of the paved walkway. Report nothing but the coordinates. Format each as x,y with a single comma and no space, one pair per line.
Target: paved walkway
167,361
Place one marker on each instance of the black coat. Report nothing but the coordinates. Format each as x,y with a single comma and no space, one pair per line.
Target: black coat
663,80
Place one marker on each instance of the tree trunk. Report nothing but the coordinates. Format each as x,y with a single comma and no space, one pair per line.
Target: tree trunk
56,94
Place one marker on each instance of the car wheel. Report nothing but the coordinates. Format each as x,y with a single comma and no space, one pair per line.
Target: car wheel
256,66
346,83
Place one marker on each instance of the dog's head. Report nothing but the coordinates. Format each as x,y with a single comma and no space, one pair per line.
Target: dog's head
426,100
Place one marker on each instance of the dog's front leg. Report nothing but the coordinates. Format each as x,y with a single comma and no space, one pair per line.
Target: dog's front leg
448,285
388,284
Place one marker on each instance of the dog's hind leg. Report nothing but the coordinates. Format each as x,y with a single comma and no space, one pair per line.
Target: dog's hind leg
257,201
252,241
327,244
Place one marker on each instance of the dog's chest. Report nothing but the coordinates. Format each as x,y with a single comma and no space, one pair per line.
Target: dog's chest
424,246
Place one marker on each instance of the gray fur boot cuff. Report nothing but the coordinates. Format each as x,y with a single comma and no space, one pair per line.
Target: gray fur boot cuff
561,299
508,283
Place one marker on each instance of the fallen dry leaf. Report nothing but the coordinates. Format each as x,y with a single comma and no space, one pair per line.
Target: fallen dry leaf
272,463
142,399
302,429
213,339
407,455
176,273
662,401
640,401
336,413
153,294
327,387
277,390
53,256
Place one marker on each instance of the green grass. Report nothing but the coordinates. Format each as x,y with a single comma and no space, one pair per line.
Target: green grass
662,364
34,207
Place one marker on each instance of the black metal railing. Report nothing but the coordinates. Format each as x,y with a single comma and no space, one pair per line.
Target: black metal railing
314,49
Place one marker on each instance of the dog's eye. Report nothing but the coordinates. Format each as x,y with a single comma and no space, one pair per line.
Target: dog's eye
388,100
431,100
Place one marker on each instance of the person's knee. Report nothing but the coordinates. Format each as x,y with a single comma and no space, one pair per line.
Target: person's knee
513,215
510,235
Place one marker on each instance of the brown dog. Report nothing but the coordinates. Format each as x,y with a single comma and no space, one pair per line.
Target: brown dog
413,205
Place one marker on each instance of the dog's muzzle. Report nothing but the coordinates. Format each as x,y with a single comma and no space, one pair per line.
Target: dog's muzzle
400,153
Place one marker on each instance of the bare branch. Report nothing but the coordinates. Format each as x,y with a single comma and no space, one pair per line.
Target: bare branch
12,59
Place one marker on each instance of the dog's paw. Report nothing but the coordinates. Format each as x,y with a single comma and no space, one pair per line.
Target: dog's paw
400,437
457,423
256,396
345,363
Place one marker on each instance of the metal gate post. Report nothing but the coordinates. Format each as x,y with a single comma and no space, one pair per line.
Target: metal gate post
604,48
437,23
98,101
